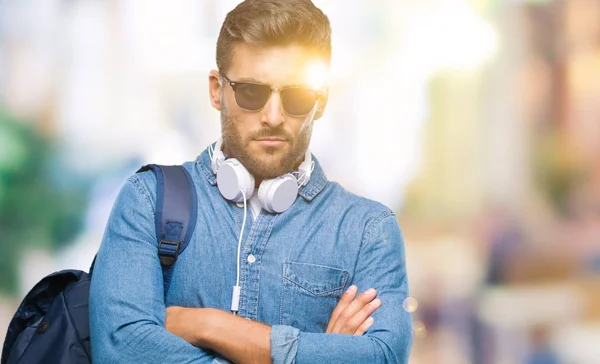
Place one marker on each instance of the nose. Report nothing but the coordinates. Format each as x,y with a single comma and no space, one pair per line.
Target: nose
272,113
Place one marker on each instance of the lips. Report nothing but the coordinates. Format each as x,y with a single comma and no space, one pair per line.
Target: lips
271,142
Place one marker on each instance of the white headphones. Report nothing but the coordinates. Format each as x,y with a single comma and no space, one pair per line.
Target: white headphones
275,195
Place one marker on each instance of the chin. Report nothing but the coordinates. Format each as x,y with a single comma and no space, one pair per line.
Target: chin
270,167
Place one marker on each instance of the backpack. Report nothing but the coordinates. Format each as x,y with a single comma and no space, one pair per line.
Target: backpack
51,324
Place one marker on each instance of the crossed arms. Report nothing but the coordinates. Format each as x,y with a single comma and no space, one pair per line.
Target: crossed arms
244,341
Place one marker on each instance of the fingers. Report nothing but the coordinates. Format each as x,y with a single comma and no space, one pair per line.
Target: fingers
357,312
352,319
364,327
346,299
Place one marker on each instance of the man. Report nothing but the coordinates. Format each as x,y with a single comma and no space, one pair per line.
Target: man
319,278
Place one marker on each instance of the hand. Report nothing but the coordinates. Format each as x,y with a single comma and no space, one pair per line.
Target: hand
352,315
180,321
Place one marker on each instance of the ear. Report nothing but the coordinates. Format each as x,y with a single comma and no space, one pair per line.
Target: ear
214,89
322,104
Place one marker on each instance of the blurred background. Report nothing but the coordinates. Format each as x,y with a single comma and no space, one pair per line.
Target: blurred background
477,121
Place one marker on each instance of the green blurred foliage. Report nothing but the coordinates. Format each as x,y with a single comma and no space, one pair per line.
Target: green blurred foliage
558,169
41,203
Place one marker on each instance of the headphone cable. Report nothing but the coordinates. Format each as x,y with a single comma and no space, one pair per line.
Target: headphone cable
235,300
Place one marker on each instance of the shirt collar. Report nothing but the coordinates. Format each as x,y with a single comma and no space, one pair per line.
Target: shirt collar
315,185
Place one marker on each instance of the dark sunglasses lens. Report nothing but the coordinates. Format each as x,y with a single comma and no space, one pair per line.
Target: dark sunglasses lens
251,96
298,101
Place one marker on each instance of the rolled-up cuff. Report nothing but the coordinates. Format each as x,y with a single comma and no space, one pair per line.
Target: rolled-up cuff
284,344
219,360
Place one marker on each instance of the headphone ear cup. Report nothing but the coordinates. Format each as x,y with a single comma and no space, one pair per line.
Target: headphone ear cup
232,179
278,194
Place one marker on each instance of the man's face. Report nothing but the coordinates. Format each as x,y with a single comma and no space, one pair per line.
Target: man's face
268,142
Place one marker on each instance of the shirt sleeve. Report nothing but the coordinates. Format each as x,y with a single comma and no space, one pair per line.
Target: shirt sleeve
127,309
381,265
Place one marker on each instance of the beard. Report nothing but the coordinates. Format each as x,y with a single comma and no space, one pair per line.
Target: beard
271,162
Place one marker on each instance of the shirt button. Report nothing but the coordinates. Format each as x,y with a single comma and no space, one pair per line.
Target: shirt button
251,259
240,204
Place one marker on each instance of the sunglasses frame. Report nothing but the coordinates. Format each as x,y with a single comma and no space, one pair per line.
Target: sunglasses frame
234,85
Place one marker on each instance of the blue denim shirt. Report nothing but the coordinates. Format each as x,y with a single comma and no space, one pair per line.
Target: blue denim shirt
303,261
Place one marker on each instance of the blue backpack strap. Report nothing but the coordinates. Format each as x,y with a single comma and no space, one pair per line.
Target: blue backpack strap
175,215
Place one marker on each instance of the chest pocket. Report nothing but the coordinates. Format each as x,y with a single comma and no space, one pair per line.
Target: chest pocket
310,293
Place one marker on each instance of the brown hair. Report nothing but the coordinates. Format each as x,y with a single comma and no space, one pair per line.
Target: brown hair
263,23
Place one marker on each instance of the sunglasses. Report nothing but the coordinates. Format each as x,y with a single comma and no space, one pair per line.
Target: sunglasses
251,96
